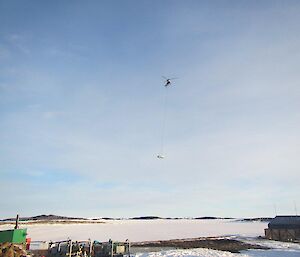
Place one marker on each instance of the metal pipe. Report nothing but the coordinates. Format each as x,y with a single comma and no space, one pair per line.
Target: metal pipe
70,250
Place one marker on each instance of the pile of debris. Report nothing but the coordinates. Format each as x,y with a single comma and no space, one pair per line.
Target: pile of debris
11,250
215,243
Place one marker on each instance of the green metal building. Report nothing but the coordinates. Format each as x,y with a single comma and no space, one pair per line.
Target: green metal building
16,236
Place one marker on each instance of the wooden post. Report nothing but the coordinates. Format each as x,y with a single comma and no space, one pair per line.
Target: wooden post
17,222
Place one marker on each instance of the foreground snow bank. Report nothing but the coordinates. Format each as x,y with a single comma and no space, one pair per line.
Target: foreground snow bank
191,253
214,253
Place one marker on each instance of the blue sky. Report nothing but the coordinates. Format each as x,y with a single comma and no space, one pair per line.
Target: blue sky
81,108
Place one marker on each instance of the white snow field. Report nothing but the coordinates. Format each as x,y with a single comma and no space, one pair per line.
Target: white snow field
150,230
144,230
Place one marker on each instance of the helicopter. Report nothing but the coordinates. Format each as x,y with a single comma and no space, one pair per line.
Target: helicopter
168,81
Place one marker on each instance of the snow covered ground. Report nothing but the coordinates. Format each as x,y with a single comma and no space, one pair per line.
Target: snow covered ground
147,230
213,253
144,230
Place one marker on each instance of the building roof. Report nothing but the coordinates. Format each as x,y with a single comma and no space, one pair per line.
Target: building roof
285,222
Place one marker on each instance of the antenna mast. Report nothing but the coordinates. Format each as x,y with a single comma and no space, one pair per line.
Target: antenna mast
295,206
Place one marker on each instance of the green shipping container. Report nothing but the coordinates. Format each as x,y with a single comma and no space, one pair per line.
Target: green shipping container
17,236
